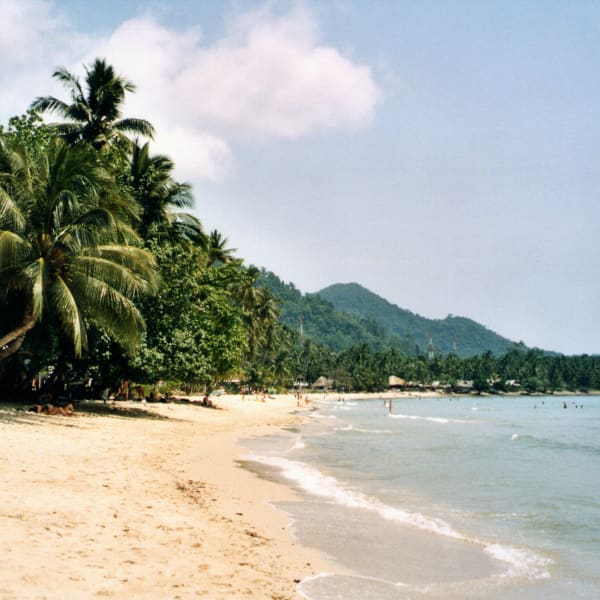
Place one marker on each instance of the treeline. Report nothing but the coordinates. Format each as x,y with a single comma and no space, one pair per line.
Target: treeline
527,370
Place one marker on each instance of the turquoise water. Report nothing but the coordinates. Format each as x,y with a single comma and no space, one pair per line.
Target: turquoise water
447,498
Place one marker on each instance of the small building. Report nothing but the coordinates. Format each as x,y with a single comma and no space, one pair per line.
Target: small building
322,383
464,386
512,385
396,383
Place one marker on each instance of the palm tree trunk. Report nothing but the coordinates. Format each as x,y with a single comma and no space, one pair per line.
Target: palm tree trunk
12,341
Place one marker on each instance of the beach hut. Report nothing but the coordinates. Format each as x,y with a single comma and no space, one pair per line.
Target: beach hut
396,383
464,386
322,383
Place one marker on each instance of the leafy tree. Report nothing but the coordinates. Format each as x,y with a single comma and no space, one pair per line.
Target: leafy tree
28,131
195,330
94,112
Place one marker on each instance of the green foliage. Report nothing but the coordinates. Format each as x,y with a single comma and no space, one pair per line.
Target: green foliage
29,132
63,249
195,332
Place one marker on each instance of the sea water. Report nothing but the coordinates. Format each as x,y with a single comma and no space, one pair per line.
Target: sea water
486,497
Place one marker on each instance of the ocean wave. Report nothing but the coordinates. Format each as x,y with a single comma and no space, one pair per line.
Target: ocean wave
442,420
315,482
550,444
362,429
521,562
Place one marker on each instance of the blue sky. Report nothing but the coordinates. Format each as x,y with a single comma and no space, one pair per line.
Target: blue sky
443,154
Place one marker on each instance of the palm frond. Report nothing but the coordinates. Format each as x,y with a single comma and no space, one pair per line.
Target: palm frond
139,261
180,195
13,249
68,131
135,126
50,104
109,308
71,82
10,213
67,309
120,277
189,227
34,274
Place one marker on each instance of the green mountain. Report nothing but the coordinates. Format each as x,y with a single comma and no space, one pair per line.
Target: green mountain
323,323
471,337
344,315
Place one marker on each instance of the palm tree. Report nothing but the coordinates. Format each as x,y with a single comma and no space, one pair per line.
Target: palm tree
94,114
267,312
157,194
63,252
217,250
260,313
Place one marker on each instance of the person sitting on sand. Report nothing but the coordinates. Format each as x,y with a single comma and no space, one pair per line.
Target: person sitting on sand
48,409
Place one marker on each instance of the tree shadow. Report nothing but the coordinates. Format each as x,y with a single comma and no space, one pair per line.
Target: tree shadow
17,412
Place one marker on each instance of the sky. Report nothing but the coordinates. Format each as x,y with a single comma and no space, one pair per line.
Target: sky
445,154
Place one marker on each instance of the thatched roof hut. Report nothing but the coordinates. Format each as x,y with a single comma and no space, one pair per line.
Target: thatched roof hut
322,383
396,382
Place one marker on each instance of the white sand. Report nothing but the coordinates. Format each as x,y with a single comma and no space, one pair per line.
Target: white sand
122,507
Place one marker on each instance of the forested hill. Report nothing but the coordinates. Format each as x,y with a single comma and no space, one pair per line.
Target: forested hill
323,323
471,337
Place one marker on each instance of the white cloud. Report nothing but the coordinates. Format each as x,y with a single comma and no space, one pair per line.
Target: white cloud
198,155
26,27
267,76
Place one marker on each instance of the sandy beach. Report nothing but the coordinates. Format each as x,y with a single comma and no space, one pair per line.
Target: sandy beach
145,501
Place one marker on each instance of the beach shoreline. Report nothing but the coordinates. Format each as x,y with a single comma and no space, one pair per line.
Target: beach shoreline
147,501
152,500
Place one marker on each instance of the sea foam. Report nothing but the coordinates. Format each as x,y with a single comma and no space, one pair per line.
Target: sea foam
442,420
521,562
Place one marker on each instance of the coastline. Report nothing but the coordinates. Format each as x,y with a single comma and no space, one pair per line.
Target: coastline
151,501
147,501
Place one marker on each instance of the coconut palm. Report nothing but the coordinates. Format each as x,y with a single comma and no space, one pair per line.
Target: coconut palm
94,114
63,252
267,314
157,193
260,313
217,249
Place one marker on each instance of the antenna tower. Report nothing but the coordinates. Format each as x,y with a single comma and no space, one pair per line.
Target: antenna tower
431,349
